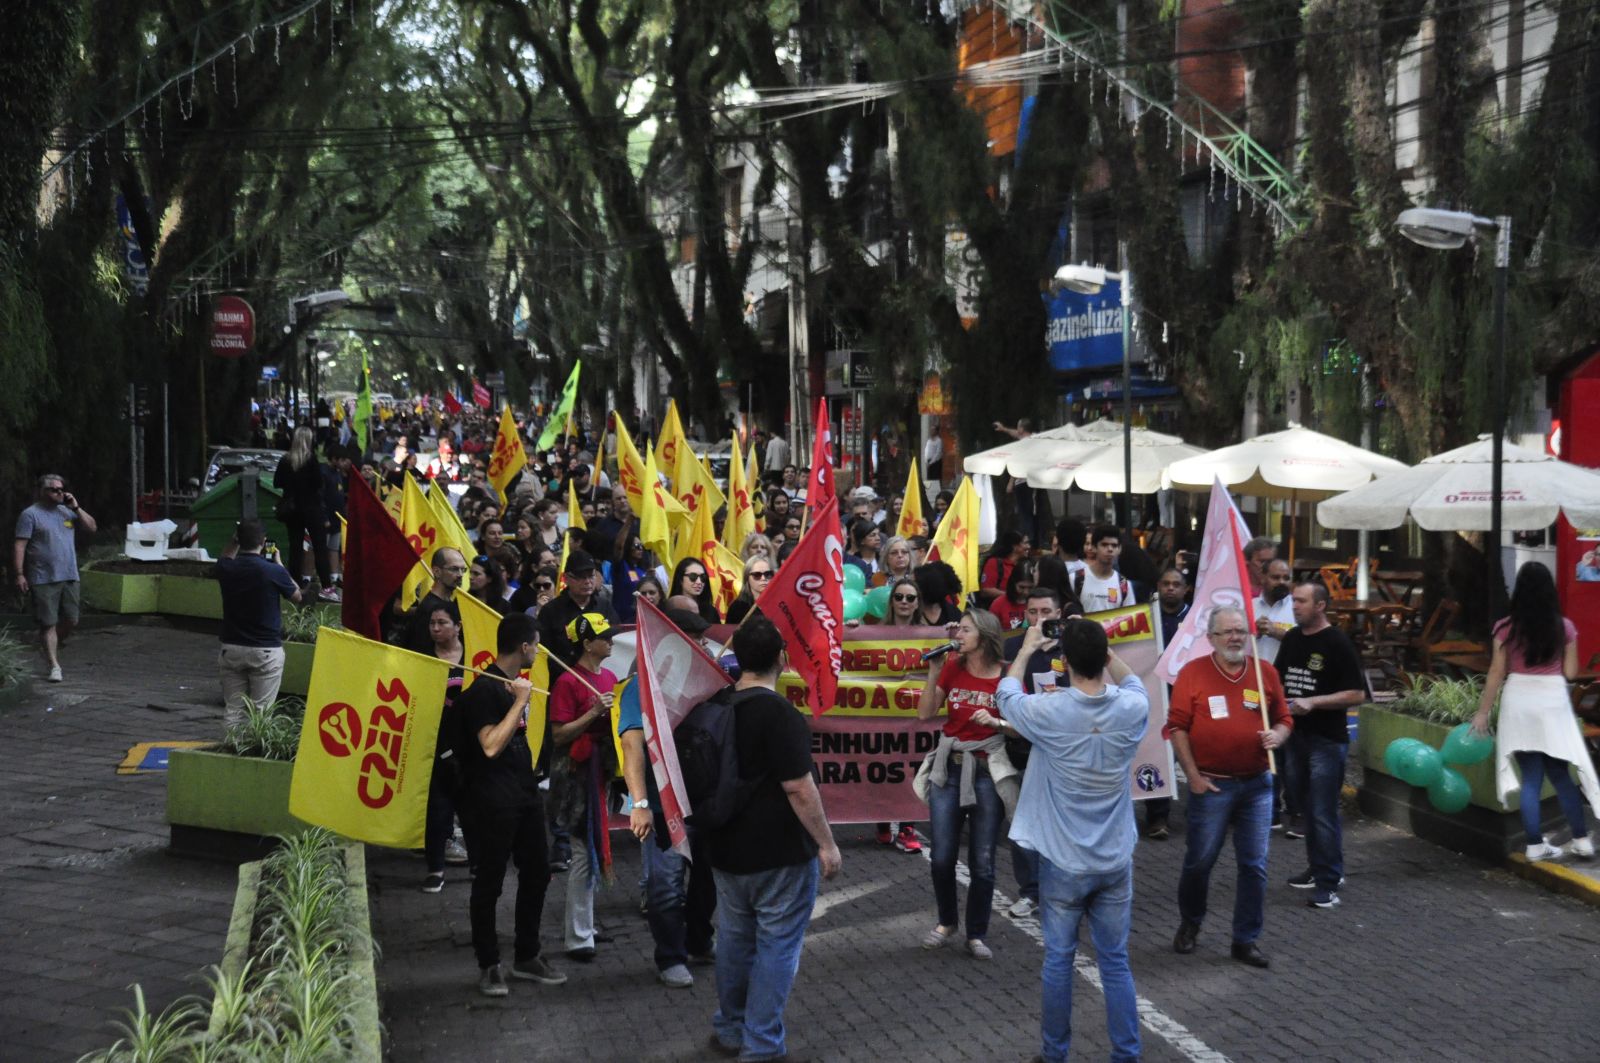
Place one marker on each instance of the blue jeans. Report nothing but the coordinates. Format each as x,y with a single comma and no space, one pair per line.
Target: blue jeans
761,924
1107,899
680,900
1025,865
1246,806
1315,766
946,816
1535,766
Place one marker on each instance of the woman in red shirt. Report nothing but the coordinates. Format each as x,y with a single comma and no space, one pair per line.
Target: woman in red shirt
1011,610
965,684
1011,547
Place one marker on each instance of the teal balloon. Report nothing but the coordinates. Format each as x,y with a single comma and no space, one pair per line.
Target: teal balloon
1396,753
855,604
1450,792
1420,767
854,578
878,602
1461,746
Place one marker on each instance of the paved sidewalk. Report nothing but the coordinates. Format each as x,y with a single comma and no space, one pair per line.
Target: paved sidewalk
91,901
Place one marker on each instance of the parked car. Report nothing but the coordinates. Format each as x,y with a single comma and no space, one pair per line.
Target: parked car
717,456
226,461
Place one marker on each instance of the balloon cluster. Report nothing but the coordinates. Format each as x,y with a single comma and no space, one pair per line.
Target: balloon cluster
858,601
1420,764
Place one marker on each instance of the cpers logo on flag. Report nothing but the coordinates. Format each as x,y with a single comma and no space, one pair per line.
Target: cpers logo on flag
367,741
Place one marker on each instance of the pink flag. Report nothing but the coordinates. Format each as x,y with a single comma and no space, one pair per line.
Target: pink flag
675,675
1221,581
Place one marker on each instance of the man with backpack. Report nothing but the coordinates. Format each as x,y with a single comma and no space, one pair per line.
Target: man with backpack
765,856
1099,585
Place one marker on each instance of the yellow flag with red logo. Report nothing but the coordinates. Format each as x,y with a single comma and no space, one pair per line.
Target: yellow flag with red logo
911,522
450,529
508,456
480,630
671,445
421,528
630,467
694,485
956,543
367,743
741,519
723,568
574,511
654,530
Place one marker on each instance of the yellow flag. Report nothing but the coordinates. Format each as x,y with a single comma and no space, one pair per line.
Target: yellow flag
451,531
539,700
741,519
509,456
752,483
393,500
574,512
911,522
956,543
367,743
694,484
671,445
561,566
653,529
480,627
421,528
702,544
630,468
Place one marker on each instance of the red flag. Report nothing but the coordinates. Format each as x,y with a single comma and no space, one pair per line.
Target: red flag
451,403
377,557
675,675
1222,581
806,601
480,395
819,487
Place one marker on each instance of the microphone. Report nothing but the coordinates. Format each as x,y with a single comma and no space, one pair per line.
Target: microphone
938,651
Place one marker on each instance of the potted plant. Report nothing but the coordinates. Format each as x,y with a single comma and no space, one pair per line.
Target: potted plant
300,626
232,798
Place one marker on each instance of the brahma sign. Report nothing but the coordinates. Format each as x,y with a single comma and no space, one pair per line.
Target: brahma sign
233,327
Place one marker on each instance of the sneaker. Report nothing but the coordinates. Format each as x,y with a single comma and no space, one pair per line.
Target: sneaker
707,958
1542,851
1158,832
1306,881
583,954
433,883
1022,909
884,836
455,852
538,970
1583,847
55,673
328,594
906,840
492,983
1294,828
978,950
1323,899
558,866
676,977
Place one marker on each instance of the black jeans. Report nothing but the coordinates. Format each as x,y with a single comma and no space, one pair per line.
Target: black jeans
300,526
514,835
445,806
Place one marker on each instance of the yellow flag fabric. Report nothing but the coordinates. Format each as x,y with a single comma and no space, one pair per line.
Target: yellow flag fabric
367,743
480,627
911,522
393,500
727,576
421,528
561,566
630,468
694,484
671,445
539,700
741,519
574,512
654,531
508,457
752,483
956,543
451,531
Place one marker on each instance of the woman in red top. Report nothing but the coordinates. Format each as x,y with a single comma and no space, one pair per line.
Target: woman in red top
966,684
1012,609
1010,548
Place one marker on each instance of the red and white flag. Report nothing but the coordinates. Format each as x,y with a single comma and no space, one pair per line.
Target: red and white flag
675,675
819,487
1222,581
805,600
480,394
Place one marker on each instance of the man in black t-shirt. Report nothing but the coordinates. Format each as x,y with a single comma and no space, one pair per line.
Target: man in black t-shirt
576,598
1322,679
765,860
502,788
251,659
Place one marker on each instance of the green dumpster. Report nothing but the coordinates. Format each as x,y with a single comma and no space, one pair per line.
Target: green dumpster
218,510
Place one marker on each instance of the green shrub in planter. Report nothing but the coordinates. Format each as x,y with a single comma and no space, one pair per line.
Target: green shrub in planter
271,732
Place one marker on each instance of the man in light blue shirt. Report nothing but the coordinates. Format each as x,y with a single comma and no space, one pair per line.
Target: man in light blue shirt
1076,812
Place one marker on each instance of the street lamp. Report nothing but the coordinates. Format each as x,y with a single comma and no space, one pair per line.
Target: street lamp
1446,230
1089,280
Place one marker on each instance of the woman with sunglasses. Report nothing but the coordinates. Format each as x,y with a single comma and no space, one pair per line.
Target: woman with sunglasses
690,579
439,846
904,600
757,576
790,533
628,573
487,582
538,587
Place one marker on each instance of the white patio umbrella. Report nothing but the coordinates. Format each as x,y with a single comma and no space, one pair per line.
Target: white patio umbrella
1019,456
1451,492
1296,464
1102,469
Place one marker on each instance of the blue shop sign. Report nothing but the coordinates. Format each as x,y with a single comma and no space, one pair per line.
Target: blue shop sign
1085,331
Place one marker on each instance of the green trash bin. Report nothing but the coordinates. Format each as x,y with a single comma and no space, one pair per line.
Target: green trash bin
233,499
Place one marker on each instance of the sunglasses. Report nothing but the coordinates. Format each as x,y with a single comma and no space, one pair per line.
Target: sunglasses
698,577
904,597
544,585
760,575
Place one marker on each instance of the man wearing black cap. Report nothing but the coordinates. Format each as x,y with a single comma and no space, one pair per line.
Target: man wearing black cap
575,599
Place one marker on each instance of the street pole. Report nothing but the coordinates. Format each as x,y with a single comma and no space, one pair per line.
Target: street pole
1127,401
1502,266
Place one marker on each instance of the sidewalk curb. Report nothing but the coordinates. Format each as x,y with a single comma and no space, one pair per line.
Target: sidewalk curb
1555,878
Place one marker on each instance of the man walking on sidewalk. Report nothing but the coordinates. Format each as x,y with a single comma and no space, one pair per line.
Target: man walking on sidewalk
251,658
45,557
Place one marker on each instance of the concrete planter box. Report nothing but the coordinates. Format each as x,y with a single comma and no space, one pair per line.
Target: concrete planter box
368,1046
116,592
194,596
223,807
1485,828
297,668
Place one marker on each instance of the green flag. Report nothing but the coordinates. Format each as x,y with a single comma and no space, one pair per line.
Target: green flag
563,410
363,405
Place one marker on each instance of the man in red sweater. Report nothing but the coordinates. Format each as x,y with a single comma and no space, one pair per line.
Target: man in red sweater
1216,729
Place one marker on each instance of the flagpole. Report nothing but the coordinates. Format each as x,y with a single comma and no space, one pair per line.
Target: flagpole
565,667
1261,702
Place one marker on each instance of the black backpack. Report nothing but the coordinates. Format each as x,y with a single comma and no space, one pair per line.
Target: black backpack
708,757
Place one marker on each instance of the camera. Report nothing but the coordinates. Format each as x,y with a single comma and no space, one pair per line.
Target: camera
1050,629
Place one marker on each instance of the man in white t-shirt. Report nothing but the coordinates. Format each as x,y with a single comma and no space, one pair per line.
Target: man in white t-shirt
1100,586
1274,608
777,455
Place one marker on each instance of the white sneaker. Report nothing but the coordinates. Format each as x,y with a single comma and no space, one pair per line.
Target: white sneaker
455,852
1542,851
1583,847
55,673
1022,909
